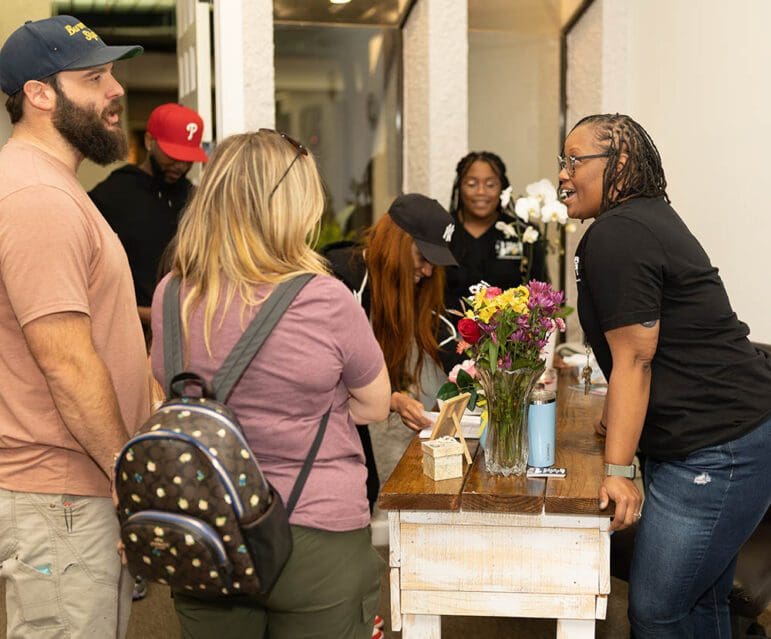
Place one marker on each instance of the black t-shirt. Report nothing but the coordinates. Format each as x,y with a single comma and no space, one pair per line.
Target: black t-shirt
144,212
639,262
491,257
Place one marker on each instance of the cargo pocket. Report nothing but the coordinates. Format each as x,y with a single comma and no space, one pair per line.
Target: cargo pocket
369,606
35,593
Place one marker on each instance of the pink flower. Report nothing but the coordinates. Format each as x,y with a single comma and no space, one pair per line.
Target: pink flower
560,324
467,365
492,291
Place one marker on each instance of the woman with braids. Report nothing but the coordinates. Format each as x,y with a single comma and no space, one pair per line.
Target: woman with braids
686,386
397,276
482,251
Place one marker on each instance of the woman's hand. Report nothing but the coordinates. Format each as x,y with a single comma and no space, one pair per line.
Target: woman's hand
410,410
625,495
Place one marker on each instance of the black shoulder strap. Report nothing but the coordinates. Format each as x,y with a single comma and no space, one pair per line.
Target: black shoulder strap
306,469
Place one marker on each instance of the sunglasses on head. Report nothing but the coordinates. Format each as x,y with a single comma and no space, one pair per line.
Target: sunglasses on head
301,150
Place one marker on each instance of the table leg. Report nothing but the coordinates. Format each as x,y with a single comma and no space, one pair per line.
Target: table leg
421,627
575,628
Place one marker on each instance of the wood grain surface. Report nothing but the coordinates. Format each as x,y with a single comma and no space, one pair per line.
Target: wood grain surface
578,449
409,489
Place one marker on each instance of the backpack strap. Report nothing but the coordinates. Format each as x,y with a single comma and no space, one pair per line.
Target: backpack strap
172,334
299,483
254,336
242,354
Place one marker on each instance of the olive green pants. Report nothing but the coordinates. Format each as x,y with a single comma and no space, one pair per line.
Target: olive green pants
329,589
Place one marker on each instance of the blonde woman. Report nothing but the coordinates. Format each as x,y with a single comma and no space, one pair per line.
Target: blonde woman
245,230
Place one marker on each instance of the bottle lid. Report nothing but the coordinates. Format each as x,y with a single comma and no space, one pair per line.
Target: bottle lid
543,396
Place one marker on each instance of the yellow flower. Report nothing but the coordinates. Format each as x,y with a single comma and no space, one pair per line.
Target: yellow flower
486,313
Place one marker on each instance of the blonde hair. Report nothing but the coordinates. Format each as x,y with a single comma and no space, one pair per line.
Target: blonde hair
236,233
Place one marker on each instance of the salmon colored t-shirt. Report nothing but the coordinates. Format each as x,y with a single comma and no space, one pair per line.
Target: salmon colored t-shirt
322,346
57,254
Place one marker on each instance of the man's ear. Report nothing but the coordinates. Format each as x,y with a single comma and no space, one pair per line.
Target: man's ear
148,140
40,95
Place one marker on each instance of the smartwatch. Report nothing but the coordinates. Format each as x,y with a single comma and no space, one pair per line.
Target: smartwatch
621,471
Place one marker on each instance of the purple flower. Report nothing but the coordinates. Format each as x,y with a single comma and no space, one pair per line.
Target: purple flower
543,296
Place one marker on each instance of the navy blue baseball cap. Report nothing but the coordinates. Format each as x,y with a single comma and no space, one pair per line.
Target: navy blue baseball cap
39,49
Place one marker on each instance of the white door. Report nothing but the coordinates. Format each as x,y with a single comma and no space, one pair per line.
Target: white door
194,60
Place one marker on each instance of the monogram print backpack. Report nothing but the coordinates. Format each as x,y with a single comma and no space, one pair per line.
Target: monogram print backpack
195,510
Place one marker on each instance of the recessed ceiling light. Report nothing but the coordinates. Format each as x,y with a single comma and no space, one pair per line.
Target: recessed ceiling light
339,1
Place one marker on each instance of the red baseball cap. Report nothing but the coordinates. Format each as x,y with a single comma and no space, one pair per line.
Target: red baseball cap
179,131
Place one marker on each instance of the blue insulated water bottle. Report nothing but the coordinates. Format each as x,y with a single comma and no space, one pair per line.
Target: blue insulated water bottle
541,420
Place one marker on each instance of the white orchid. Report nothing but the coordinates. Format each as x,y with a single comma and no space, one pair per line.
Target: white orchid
543,190
530,236
527,208
508,230
506,196
555,211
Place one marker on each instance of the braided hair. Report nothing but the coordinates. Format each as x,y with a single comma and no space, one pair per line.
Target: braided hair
642,175
495,162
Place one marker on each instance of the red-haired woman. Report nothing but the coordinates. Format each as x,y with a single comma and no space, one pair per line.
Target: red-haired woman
398,278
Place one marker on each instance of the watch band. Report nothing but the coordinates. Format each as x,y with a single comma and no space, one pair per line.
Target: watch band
617,470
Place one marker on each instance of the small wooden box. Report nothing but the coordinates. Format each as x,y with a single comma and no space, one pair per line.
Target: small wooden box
442,458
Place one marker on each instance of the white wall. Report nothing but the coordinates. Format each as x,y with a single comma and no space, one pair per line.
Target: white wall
435,96
696,77
513,96
702,91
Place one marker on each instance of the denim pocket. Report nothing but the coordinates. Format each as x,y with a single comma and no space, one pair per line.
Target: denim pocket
35,592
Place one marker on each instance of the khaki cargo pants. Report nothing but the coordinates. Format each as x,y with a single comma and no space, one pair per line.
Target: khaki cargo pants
63,576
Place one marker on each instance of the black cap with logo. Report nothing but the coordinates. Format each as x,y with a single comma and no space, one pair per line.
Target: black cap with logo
429,225
39,49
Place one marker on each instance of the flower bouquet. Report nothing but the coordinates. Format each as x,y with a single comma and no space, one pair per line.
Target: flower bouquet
504,333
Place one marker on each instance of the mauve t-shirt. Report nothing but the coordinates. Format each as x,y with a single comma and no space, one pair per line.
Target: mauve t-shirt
322,346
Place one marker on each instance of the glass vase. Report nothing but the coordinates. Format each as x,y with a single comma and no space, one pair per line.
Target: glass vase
508,396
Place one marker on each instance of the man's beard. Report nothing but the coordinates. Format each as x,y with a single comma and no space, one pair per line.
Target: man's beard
87,131
159,175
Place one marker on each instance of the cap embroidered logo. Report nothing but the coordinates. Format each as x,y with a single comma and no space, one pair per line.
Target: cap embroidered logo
448,231
191,129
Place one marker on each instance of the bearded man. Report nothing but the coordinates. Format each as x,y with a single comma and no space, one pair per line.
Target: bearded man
143,203
73,371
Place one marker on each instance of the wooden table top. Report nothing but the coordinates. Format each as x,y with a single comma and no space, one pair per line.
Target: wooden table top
579,450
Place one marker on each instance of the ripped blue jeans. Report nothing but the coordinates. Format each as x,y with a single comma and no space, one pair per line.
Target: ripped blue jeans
697,514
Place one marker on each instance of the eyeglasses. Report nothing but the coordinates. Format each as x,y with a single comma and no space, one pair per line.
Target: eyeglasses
489,185
569,163
301,150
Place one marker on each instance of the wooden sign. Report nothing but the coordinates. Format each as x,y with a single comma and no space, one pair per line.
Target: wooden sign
448,422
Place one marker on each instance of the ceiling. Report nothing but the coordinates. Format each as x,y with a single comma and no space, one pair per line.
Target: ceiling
119,6
151,23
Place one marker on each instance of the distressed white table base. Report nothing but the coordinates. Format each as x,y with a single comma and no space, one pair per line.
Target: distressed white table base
497,565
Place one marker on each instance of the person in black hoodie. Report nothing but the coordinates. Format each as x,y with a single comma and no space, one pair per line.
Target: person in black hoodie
143,203
397,275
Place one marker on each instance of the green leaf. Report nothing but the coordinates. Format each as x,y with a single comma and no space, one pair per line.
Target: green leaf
464,380
472,401
447,391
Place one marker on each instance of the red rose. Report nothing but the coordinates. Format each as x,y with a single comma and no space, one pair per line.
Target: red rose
469,330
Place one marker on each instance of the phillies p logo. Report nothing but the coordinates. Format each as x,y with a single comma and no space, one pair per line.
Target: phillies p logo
191,128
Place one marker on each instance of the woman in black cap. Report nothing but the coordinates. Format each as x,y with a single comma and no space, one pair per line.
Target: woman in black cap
397,275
